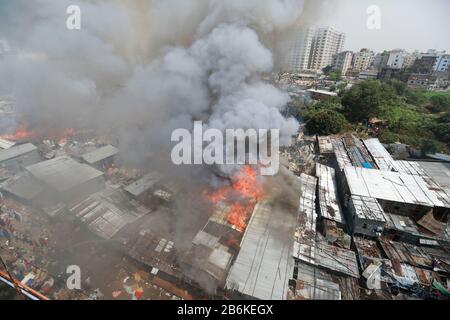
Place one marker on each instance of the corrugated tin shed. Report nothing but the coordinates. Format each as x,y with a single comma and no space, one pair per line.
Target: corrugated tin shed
106,213
6,144
368,208
399,252
358,153
22,186
382,157
16,151
342,158
328,197
396,187
439,172
100,154
314,284
430,223
144,184
63,173
337,259
410,167
305,231
264,264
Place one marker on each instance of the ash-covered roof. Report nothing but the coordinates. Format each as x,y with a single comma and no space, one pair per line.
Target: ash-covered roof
16,151
328,197
100,154
63,173
264,265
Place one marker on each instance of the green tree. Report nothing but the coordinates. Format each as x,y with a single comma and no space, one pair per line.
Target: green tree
325,121
364,99
440,103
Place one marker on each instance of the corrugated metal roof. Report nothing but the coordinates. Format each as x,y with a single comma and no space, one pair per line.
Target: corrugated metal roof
264,264
337,259
305,231
104,215
22,186
357,152
396,187
144,184
328,196
341,155
382,157
16,151
6,144
314,285
63,173
100,154
368,208
439,172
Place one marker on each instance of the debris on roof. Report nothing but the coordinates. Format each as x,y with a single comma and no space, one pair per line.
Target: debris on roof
313,284
382,157
395,187
328,197
264,264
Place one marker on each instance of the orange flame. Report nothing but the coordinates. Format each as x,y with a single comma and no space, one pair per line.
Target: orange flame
21,133
248,189
67,133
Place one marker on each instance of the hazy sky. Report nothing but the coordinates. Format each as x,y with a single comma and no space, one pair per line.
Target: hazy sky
408,24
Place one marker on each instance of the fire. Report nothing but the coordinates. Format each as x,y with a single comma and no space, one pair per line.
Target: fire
242,195
67,133
21,133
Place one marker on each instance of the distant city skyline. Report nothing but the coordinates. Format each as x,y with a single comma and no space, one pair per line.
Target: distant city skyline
405,24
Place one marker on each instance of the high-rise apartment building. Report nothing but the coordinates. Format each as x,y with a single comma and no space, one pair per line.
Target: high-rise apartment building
326,43
298,48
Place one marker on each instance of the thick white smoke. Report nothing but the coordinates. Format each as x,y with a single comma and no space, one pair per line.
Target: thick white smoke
144,68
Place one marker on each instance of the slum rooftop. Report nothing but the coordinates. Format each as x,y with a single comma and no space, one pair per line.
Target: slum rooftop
63,173
395,187
100,154
264,264
16,151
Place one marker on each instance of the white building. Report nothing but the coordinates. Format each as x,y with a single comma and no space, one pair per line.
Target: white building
442,63
343,61
326,43
298,48
397,59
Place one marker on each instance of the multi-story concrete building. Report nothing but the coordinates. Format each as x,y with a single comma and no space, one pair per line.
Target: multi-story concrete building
380,61
342,61
442,63
298,48
362,60
326,43
397,59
